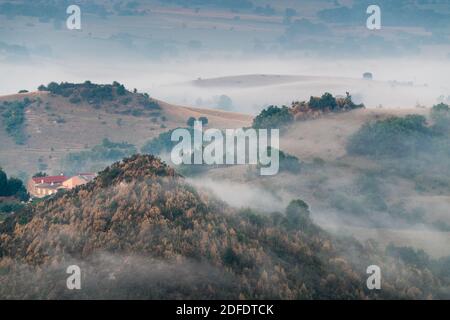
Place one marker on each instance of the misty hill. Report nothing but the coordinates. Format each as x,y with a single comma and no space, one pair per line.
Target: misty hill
140,231
252,92
38,129
379,174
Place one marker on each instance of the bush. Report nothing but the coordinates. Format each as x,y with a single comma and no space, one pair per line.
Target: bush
191,121
225,102
96,94
8,207
298,215
440,114
393,137
12,187
326,101
203,120
287,162
273,117
14,119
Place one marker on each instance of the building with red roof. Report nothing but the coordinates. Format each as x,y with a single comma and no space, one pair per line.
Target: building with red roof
40,187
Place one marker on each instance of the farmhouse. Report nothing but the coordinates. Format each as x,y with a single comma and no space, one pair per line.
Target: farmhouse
43,186
40,187
78,180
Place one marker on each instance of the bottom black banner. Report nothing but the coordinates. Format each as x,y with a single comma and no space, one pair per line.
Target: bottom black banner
223,309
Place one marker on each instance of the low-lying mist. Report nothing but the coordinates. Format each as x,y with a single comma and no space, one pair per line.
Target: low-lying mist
397,82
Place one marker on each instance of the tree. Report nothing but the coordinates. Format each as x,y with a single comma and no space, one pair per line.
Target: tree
191,121
121,91
203,120
39,174
17,189
326,101
392,137
273,117
225,102
440,114
12,187
298,215
3,183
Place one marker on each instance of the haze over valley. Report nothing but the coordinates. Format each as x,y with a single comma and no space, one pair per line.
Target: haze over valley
87,175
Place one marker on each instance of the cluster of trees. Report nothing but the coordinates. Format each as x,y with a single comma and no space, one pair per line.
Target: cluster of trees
409,148
328,102
191,120
224,102
440,114
287,162
12,187
403,136
273,117
96,94
277,117
393,137
93,93
13,114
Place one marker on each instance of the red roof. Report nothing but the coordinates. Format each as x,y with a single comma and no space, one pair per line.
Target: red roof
51,179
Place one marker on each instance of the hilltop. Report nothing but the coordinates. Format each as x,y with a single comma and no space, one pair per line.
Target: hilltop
140,231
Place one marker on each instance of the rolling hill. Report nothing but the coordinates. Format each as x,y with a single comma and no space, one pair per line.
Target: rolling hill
55,125
140,231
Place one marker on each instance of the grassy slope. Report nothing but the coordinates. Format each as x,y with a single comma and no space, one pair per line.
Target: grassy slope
85,126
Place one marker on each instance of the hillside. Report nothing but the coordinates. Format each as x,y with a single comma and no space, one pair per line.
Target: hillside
400,199
139,231
327,136
56,125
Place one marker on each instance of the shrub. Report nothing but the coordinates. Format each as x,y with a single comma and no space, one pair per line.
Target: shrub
440,114
273,117
12,187
326,101
287,162
14,119
191,121
393,137
203,120
298,215
225,102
